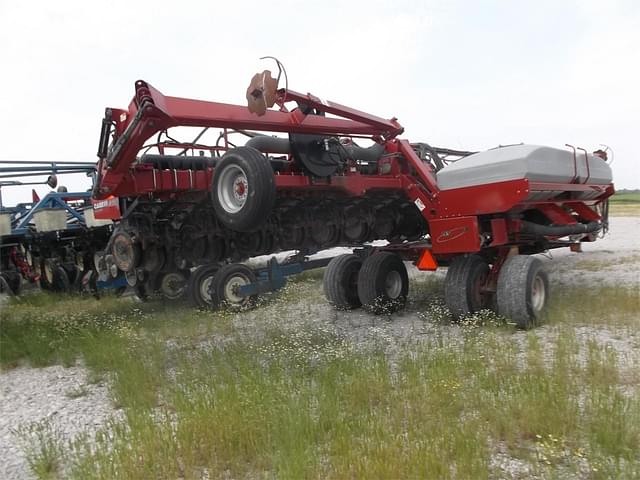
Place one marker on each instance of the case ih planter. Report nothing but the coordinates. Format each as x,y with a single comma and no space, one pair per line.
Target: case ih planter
313,188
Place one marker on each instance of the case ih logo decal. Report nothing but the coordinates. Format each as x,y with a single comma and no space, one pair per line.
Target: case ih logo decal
107,209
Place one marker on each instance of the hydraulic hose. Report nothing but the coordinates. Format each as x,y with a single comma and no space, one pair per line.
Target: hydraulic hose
266,144
370,154
560,230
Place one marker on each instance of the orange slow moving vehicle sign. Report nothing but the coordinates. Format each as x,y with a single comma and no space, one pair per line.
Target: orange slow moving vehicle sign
427,261
107,209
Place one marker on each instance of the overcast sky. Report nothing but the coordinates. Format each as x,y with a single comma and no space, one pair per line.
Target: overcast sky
460,74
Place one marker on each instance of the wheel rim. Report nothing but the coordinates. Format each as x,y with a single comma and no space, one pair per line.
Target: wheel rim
393,284
205,289
231,289
233,189
538,294
173,285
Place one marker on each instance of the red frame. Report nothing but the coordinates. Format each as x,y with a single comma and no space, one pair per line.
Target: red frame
456,210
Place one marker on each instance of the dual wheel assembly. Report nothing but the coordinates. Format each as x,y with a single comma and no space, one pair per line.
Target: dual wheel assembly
520,294
379,283
211,286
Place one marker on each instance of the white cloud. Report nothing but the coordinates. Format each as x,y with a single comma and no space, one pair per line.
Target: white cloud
460,74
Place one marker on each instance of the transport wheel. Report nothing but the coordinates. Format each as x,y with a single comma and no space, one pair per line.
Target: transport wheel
226,283
199,289
126,253
173,285
523,290
383,283
60,280
243,190
463,285
340,281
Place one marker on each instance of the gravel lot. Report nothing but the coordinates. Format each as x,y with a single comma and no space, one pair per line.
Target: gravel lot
65,399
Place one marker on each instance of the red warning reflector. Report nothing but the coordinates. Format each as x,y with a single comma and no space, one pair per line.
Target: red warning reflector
426,261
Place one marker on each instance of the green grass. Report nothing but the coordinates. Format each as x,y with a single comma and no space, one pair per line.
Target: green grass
595,306
598,265
44,448
625,197
281,392
625,203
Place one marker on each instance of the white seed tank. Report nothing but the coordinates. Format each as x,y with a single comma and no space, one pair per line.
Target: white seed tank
533,162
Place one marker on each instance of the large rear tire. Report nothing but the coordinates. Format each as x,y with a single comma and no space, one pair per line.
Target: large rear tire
463,284
340,281
523,290
243,189
383,283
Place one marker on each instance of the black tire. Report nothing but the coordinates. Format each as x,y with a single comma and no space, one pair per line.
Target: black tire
462,286
200,288
523,290
246,210
383,283
61,281
227,279
340,281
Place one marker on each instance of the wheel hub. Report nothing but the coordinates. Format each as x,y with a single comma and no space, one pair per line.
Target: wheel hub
233,188
173,285
231,294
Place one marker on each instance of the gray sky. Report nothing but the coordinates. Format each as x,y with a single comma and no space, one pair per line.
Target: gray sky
461,74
